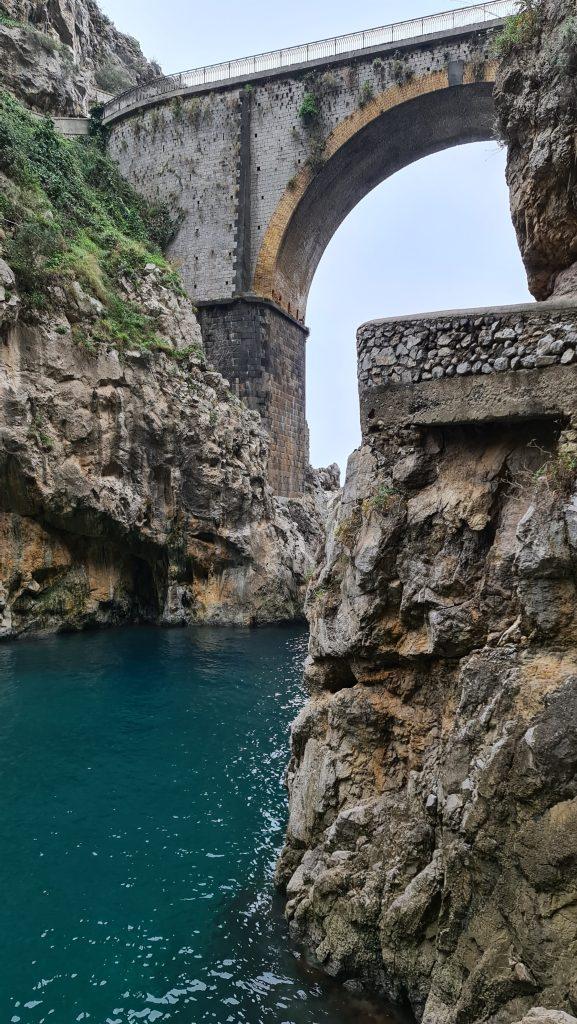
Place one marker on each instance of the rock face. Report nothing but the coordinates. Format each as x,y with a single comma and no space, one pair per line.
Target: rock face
133,486
432,839
537,115
59,56
539,1015
133,481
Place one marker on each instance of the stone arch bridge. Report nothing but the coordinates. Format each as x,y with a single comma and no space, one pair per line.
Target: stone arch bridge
266,156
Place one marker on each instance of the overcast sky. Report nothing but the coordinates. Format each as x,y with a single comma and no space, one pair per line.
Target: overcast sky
437,235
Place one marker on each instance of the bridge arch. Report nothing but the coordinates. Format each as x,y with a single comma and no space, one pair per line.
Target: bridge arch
399,126
227,146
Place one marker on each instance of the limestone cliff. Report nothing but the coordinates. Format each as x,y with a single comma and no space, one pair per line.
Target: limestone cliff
536,96
432,839
133,482
59,56
133,488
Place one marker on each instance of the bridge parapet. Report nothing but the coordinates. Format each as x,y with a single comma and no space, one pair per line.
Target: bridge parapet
476,365
323,51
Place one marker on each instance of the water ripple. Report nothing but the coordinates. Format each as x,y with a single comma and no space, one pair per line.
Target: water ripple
142,774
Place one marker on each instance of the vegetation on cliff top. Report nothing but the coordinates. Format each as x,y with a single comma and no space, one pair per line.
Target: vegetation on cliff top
67,214
521,28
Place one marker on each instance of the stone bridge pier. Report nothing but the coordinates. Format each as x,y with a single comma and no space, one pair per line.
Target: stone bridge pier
266,157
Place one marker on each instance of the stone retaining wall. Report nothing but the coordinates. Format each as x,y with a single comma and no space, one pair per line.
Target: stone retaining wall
462,343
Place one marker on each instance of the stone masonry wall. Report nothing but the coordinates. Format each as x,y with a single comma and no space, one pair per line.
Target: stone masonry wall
281,144
411,350
262,353
187,153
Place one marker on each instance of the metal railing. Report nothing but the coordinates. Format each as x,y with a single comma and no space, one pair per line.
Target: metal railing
323,49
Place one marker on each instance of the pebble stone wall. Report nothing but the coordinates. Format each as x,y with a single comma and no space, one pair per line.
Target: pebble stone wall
475,342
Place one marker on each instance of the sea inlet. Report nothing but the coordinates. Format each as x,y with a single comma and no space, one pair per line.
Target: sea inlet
143,808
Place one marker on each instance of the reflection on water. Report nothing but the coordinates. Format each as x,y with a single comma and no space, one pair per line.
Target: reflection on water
142,812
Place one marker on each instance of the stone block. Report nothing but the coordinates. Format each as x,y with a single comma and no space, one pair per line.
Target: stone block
549,346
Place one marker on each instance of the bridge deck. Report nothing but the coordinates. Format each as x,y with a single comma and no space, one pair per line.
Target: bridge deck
324,50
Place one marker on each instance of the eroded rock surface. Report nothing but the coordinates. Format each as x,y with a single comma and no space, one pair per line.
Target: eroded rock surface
432,839
59,56
537,115
540,1015
133,484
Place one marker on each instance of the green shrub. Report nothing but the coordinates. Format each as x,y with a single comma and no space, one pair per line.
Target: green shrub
47,42
194,111
328,82
7,21
39,434
520,30
112,78
177,107
385,499
309,112
564,47
398,72
367,94
347,530
68,214
560,473
317,154
128,328
97,130
31,252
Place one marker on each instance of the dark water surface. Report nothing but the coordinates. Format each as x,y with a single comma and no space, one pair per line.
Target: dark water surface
141,811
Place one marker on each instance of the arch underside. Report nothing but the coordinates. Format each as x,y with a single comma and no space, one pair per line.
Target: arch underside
407,132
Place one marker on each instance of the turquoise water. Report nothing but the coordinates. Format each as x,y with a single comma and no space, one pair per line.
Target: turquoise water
142,811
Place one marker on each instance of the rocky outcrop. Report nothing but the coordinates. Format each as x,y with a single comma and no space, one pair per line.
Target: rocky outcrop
539,1015
537,119
432,838
61,56
133,483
